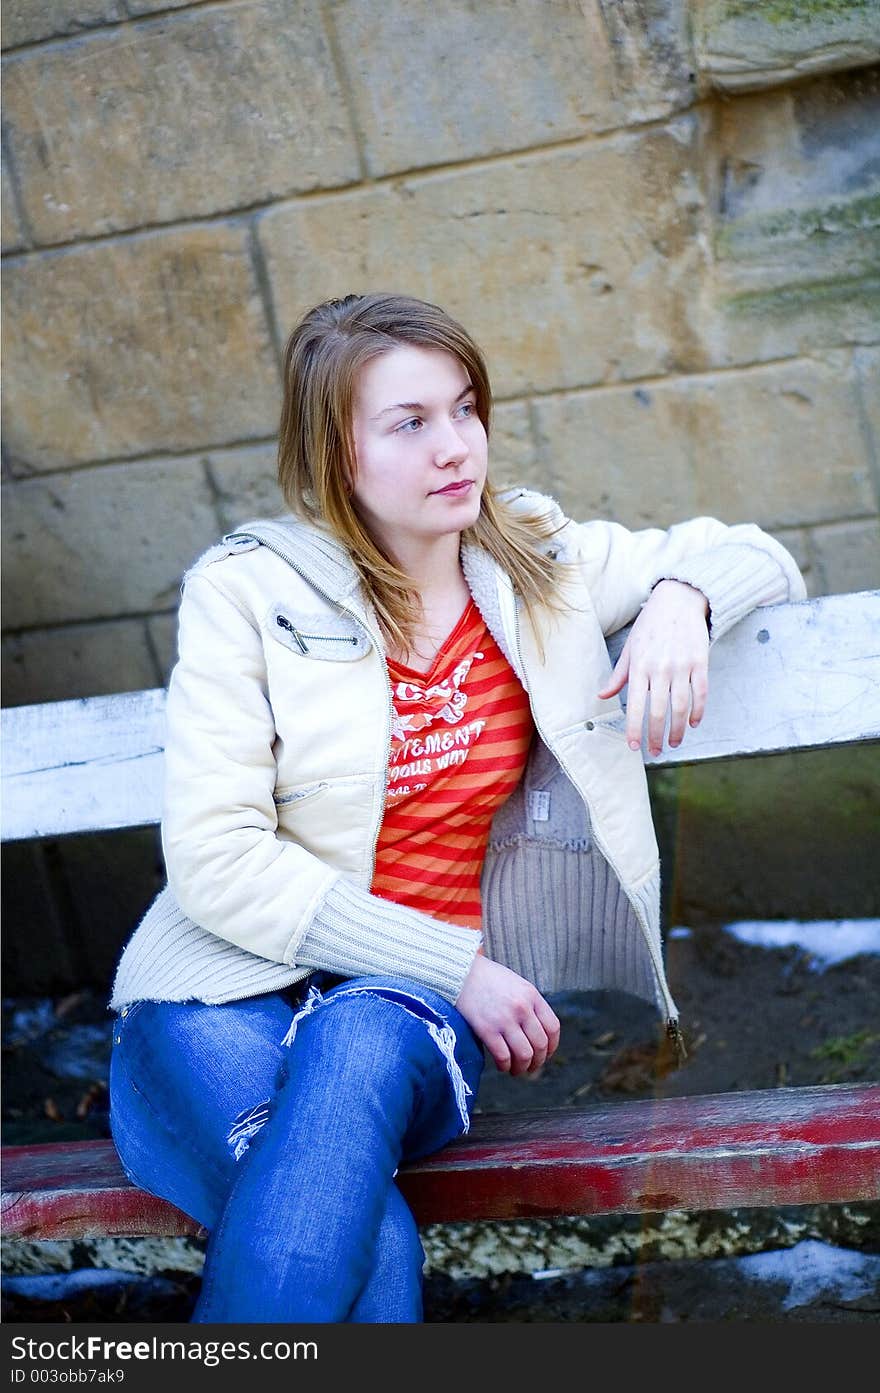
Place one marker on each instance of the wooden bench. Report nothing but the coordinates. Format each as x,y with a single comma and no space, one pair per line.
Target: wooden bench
789,677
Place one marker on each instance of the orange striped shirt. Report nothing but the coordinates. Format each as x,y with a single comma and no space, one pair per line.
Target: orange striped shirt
460,737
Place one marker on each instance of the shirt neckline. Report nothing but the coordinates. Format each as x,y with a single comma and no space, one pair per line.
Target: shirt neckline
442,651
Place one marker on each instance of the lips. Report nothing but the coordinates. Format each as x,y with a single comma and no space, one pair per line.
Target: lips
462,486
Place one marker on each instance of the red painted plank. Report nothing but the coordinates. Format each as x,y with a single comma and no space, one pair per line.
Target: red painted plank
780,1146
79,1190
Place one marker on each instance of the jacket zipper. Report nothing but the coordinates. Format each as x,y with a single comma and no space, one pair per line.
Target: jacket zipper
672,1027
300,637
284,555
673,1031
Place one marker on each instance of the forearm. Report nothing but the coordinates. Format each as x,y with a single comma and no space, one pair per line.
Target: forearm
736,567
355,932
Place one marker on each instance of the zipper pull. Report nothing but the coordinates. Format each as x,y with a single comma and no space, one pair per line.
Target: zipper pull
673,1033
286,624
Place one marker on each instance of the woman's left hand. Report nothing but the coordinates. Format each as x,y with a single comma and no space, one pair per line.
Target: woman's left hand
665,660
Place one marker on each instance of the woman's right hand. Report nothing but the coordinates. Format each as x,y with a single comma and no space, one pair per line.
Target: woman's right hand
509,1016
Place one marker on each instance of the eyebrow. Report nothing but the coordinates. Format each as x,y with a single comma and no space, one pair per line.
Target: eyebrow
417,405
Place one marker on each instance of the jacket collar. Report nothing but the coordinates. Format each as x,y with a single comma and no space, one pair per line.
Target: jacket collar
326,563
311,550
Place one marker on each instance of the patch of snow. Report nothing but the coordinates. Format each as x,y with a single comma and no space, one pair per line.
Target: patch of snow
812,1270
826,941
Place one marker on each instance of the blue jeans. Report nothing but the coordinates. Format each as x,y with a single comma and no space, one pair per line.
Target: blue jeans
278,1123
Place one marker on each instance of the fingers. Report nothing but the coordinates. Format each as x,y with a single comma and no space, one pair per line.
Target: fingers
679,705
550,1021
635,708
498,1049
525,1048
618,678
699,693
657,708
509,1015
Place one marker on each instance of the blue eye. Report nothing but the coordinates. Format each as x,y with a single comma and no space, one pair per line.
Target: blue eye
414,421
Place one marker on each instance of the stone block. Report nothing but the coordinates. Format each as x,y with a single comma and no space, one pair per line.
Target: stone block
104,542
505,76
163,637
79,660
138,8
511,444
185,115
778,445
135,346
245,483
796,540
848,556
796,240
571,267
866,362
621,454
12,234
740,45
24,22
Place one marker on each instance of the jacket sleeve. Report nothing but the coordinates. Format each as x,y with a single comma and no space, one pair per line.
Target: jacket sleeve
736,567
226,866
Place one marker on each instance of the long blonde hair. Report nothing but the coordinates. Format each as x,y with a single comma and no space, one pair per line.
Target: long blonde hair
316,453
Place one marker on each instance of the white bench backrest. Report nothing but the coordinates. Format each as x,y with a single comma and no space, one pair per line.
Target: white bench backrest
788,677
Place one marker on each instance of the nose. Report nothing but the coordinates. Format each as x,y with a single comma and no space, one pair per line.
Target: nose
451,448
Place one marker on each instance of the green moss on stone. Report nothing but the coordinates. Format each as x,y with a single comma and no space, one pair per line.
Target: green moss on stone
805,295
860,214
798,12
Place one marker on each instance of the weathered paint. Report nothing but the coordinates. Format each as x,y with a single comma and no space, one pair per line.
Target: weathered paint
778,1146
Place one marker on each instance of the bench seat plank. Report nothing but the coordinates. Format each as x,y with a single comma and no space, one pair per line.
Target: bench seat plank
777,1146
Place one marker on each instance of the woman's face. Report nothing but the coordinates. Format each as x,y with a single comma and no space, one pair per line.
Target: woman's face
420,447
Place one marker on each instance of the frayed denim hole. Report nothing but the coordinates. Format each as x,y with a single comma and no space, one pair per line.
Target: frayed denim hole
441,1032
246,1125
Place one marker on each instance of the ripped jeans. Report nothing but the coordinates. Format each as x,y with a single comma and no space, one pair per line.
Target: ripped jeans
279,1124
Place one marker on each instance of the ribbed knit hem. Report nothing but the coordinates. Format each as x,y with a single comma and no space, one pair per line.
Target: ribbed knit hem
589,937
356,933
735,579
169,958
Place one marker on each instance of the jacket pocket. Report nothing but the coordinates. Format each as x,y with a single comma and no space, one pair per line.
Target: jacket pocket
604,722
327,637
283,797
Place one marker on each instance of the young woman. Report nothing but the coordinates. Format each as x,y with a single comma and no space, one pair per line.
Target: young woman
403,802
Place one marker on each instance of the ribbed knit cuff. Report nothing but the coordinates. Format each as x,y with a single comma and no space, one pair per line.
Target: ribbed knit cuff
356,933
735,579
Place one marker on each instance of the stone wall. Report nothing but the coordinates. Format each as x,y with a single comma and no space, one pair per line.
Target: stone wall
660,221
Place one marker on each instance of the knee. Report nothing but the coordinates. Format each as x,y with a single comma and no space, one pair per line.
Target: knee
361,1035
385,1016
378,1034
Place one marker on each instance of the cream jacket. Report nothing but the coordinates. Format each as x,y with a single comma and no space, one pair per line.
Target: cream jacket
278,728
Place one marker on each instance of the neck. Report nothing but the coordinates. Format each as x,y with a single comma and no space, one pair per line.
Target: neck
433,566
